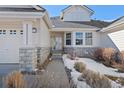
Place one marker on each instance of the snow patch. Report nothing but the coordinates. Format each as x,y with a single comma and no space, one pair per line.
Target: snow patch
91,65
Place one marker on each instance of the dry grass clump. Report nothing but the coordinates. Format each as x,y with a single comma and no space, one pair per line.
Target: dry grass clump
43,65
79,66
14,80
96,80
120,57
98,54
105,55
119,80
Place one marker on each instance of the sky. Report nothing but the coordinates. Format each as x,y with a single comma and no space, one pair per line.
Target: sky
101,12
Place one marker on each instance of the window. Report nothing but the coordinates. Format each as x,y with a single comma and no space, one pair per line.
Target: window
3,32
0,31
79,38
21,32
88,38
68,38
12,32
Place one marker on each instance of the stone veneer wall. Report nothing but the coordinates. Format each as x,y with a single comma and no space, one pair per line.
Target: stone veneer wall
80,51
29,57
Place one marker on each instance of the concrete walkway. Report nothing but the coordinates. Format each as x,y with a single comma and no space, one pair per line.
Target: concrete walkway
56,75
53,77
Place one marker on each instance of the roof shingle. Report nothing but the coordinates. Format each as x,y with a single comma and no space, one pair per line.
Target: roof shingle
58,23
20,9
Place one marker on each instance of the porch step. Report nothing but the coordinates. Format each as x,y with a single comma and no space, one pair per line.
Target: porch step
57,54
57,51
54,57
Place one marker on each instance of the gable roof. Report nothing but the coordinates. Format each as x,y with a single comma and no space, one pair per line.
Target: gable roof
84,6
58,23
114,24
10,8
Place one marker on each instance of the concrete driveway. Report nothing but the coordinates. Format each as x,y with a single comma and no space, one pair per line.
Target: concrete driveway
6,69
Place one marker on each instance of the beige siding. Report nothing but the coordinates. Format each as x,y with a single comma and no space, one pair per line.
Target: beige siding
96,39
118,39
44,35
35,36
77,13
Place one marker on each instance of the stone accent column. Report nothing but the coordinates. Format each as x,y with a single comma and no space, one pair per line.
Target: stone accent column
27,59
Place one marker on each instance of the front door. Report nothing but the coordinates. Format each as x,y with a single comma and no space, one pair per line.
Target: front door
58,43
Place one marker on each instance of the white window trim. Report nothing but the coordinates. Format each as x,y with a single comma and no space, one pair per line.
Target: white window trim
88,38
84,42
80,39
73,39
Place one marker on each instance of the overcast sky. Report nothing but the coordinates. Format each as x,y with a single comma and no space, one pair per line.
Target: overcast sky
102,12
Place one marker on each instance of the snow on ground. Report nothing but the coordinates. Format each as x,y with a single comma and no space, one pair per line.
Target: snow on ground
99,67
74,74
80,84
92,65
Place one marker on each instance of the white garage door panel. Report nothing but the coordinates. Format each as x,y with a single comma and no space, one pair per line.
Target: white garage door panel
9,46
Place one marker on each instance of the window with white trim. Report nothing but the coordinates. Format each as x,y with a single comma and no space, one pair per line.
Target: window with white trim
21,32
12,32
79,38
3,32
68,38
88,38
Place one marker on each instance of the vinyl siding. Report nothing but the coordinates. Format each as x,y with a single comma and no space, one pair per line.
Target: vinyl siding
106,41
118,39
44,39
76,13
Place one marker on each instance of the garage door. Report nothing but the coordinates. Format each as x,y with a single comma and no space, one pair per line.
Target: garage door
10,41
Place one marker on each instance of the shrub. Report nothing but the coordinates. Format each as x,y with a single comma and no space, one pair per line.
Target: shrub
79,66
120,57
96,80
108,53
105,55
98,53
119,80
41,66
14,80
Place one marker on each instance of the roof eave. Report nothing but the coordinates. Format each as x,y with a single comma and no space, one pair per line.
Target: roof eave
105,29
73,29
38,7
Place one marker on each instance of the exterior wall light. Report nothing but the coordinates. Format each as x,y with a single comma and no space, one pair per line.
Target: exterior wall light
34,30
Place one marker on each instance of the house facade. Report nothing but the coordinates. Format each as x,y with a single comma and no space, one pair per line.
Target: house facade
27,33
75,30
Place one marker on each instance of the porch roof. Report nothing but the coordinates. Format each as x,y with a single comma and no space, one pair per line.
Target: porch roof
93,24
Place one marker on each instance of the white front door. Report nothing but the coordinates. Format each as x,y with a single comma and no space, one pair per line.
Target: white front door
58,43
